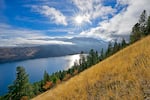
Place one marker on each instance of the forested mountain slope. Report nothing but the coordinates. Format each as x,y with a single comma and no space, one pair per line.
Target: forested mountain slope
124,75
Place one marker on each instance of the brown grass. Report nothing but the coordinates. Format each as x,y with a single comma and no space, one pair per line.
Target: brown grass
123,76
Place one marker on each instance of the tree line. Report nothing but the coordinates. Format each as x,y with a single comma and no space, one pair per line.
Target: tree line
141,28
22,89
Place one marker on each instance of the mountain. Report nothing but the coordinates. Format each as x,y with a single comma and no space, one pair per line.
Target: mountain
8,54
124,75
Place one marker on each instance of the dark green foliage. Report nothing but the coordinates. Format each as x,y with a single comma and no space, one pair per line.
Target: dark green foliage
36,88
109,50
21,86
136,35
148,26
123,43
54,77
140,29
45,77
5,97
102,55
92,58
142,22
115,47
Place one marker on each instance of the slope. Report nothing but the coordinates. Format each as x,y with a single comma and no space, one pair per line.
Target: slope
125,75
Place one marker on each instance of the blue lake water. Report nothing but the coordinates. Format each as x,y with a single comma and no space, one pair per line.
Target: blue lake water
35,68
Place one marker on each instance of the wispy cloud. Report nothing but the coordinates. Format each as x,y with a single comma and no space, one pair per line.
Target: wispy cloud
53,14
100,20
14,36
92,9
121,24
122,2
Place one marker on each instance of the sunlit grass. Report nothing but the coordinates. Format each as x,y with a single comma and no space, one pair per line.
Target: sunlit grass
123,76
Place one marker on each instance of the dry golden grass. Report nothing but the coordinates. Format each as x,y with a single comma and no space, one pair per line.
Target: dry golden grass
123,76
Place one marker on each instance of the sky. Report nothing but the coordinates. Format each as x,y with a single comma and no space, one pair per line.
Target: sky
41,21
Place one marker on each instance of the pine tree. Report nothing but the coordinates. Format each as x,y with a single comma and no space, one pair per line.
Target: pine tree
115,47
102,55
135,35
36,88
109,50
21,86
82,61
140,29
96,57
45,77
123,43
142,22
148,26
90,57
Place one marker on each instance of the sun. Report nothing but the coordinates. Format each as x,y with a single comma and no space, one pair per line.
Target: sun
79,19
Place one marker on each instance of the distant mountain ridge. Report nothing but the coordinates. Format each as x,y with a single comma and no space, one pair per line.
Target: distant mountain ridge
9,54
124,75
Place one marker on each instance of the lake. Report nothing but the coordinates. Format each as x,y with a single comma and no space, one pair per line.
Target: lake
35,68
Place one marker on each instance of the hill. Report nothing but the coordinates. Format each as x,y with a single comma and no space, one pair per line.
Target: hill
8,54
125,75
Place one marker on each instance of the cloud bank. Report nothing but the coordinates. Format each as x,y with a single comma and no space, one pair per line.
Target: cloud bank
12,36
119,25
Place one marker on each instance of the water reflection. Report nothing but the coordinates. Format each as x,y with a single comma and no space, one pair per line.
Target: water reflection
35,68
71,61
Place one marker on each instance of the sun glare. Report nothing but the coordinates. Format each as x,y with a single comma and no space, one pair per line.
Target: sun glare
79,19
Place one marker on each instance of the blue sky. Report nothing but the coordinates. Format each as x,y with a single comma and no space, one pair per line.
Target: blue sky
24,20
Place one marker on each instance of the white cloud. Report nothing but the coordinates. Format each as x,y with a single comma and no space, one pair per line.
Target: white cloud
122,23
93,9
53,14
122,2
27,42
14,36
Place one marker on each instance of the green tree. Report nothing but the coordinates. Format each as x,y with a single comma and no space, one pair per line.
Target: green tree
36,88
148,26
123,43
54,78
135,35
96,57
82,62
115,47
45,77
21,86
92,58
109,50
140,29
102,56
82,58
142,22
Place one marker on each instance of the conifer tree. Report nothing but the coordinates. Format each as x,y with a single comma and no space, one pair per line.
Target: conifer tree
140,29
123,43
102,55
109,50
115,47
21,86
45,77
148,26
135,35
142,22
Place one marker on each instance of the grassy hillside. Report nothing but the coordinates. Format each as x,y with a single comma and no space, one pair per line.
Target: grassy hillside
125,75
